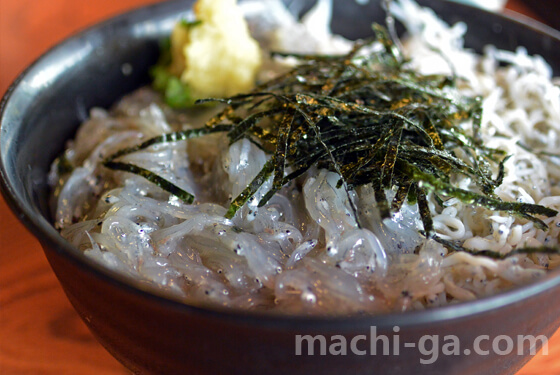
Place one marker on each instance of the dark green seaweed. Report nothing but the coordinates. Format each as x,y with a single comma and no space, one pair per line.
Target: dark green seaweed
152,177
372,120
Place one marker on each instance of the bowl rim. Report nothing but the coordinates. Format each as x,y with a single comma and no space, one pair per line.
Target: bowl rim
49,237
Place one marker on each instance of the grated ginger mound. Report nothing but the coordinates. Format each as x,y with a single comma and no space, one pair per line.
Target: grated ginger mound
217,57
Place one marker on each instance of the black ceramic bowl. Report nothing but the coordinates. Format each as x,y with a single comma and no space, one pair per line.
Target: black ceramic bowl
150,333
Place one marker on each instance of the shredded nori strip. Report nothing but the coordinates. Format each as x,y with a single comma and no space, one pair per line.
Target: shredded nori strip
497,255
152,177
168,138
374,121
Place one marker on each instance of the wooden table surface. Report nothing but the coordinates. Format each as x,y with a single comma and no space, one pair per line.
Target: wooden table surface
39,331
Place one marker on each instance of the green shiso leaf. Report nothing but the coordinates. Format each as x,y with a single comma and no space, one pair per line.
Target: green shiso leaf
188,24
176,94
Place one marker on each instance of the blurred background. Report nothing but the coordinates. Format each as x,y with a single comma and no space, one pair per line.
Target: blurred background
29,27
39,331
